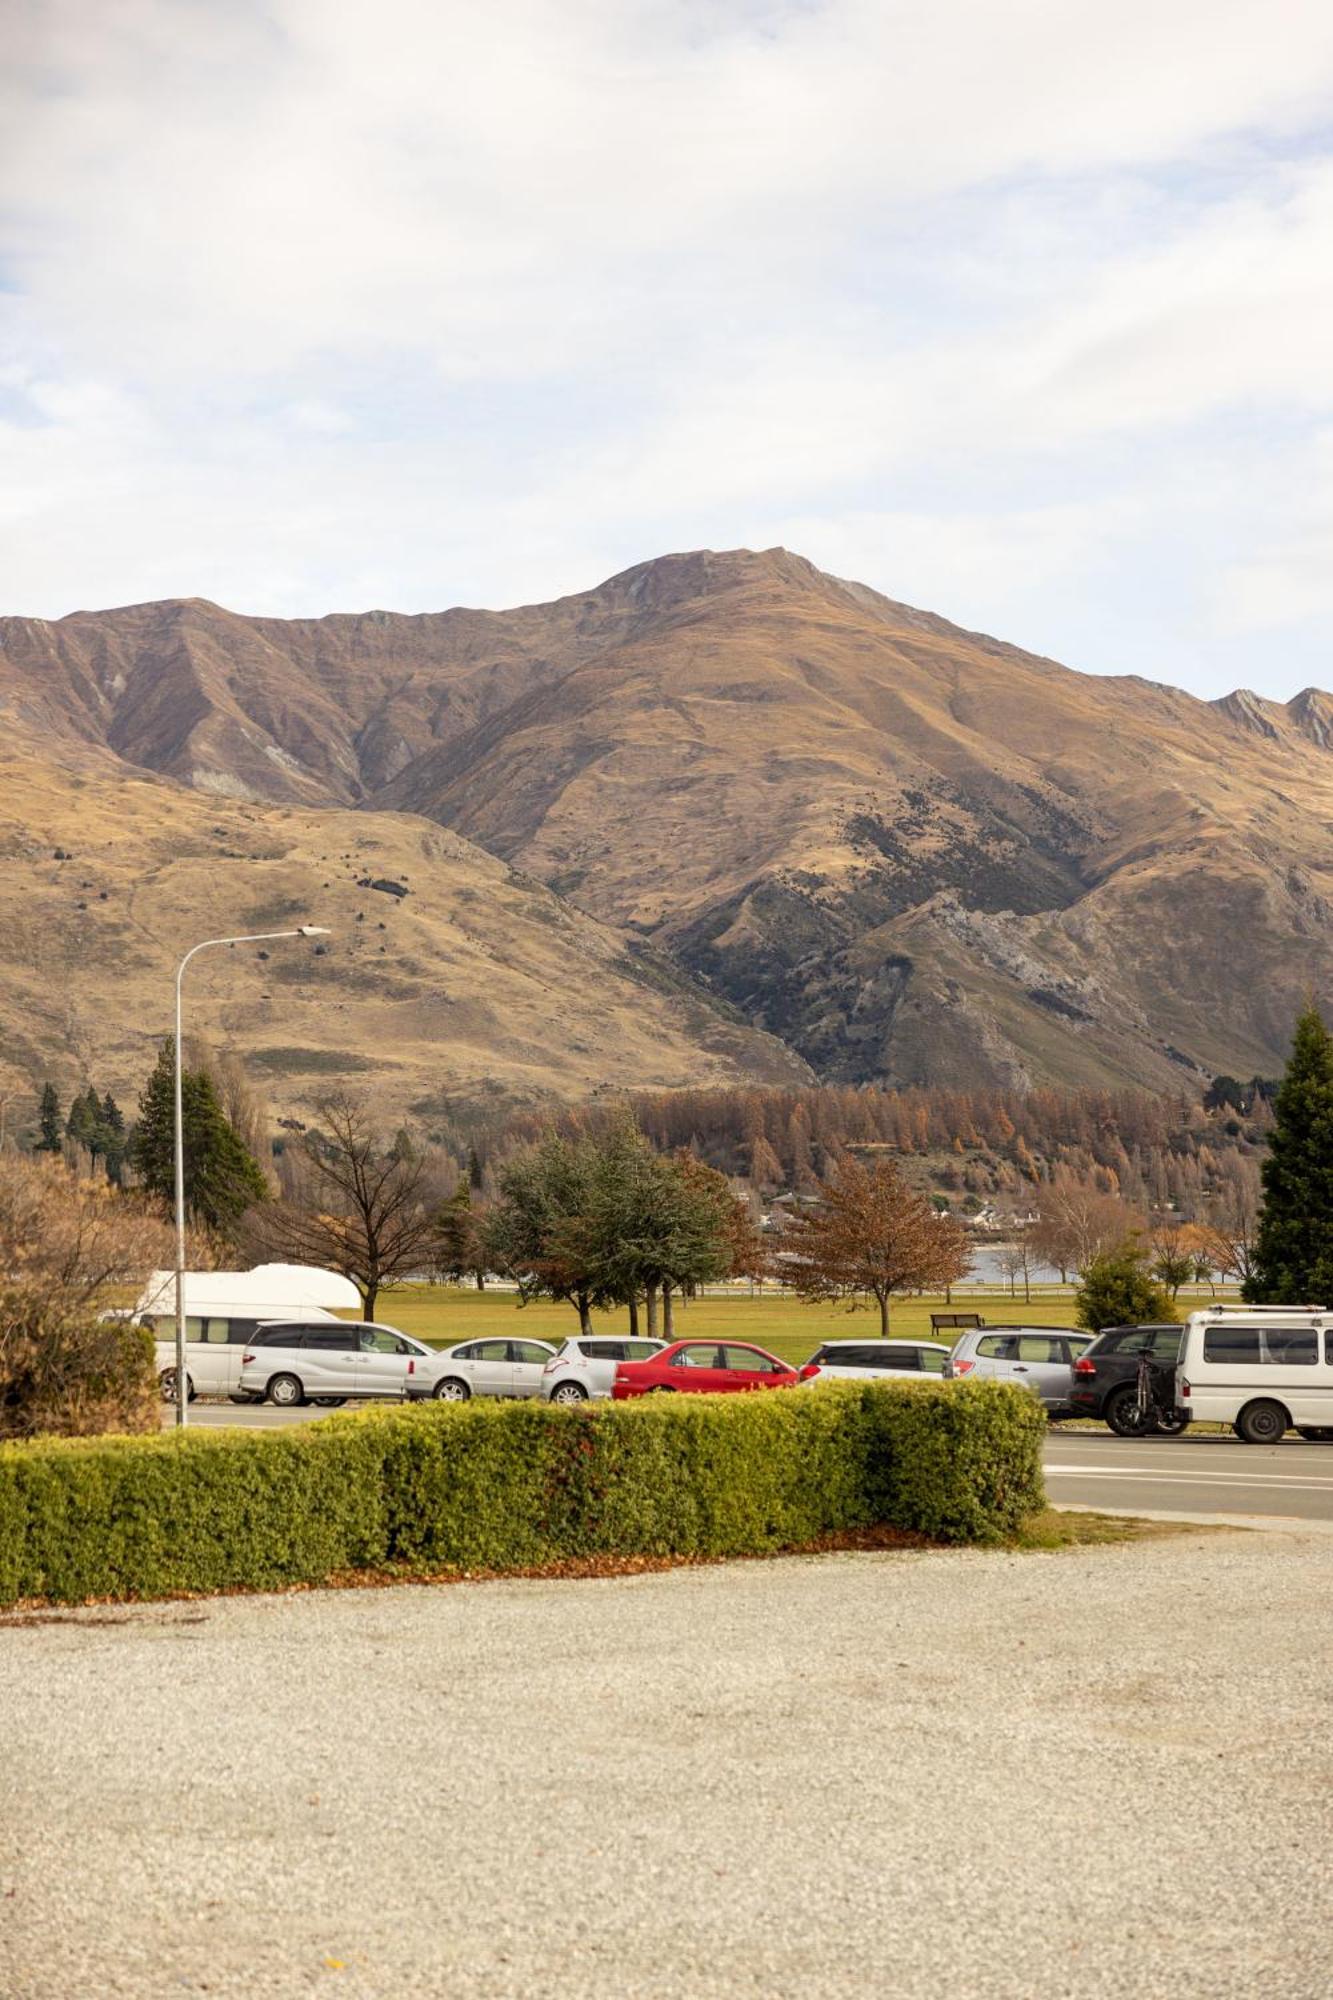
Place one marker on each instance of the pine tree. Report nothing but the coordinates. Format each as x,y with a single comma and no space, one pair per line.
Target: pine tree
49,1117
1293,1254
113,1137
222,1179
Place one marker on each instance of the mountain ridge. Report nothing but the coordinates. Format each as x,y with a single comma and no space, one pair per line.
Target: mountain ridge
910,852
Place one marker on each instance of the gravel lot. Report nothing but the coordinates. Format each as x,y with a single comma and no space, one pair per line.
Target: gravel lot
1099,1772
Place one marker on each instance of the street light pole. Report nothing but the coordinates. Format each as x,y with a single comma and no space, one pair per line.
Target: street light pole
255,937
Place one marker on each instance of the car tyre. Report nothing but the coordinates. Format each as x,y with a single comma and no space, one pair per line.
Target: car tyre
329,1402
1172,1424
239,1398
1263,1422
451,1389
286,1392
166,1382
1314,1433
1122,1412
569,1392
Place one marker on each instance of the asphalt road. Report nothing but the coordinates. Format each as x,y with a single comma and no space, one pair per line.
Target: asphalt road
1191,1475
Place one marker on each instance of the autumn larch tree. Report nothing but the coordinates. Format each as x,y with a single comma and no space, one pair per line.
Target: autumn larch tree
871,1236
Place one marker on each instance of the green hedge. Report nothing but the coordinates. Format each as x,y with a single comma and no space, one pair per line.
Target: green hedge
511,1486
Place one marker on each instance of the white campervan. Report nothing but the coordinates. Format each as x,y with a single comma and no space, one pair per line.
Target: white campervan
1264,1370
222,1311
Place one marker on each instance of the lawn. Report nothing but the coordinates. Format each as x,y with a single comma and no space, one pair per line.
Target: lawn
447,1313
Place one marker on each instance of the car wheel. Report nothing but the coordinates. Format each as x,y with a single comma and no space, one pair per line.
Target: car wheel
166,1382
1262,1423
286,1392
1314,1434
1123,1414
663,1389
329,1402
452,1390
569,1392
1171,1423
239,1398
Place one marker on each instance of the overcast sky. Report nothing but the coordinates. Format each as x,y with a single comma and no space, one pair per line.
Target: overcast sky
1020,310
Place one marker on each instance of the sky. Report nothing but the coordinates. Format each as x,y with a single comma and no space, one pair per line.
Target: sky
1018,310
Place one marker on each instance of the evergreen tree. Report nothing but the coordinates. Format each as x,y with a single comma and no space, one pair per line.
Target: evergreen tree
1293,1252
84,1123
222,1179
1117,1289
49,1119
113,1137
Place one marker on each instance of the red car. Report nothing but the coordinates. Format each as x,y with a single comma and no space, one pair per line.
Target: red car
703,1364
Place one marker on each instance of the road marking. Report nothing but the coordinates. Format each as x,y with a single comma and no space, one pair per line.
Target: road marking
1280,1479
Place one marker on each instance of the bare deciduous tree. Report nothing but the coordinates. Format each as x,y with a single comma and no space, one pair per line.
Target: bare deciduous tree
353,1203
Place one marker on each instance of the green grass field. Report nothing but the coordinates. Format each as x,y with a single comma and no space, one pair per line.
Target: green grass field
447,1313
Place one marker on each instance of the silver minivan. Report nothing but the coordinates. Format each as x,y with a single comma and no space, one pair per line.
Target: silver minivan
1040,1358
315,1360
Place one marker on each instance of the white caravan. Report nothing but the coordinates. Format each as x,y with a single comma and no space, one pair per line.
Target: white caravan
222,1311
1264,1370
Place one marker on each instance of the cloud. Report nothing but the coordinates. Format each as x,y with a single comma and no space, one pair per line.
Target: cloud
314,302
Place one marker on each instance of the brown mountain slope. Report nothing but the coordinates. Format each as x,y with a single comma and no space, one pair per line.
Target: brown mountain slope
913,852
477,982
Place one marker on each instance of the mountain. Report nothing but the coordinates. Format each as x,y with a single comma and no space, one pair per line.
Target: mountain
449,976
911,852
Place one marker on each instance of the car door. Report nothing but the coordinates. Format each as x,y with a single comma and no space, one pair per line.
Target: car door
490,1369
529,1359
746,1368
1040,1365
703,1367
382,1362
328,1362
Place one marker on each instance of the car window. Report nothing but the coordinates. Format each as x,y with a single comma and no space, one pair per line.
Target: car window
1134,1340
1166,1343
487,1350
329,1340
698,1357
279,1336
746,1360
820,1354
1077,1347
640,1350
892,1357
1039,1347
239,1331
528,1351
932,1360
604,1350
998,1347
378,1340
1255,1347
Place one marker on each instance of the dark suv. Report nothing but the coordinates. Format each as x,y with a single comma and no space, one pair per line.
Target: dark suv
1106,1376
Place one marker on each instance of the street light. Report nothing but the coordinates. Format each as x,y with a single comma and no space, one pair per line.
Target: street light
257,937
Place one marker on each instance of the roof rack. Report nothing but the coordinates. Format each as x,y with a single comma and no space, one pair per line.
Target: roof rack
1258,1312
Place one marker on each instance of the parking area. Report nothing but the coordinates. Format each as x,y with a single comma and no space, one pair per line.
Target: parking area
890,1774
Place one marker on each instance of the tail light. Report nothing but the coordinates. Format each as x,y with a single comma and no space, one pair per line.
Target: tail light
960,1367
246,1359
1184,1392
411,1367
554,1362
809,1372
1085,1367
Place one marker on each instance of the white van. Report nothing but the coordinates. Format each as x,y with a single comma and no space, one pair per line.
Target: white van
1264,1370
223,1309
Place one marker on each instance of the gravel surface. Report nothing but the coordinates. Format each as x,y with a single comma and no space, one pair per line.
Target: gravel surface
1097,1772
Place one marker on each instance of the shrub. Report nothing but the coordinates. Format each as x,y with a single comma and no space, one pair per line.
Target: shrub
1119,1290
64,1372
504,1487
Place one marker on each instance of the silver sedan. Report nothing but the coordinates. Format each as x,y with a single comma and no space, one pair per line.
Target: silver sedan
480,1368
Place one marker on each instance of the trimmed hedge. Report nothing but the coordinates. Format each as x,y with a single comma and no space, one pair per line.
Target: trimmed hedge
513,1486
